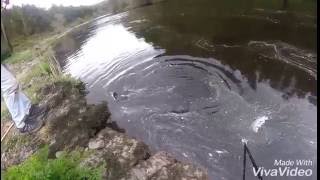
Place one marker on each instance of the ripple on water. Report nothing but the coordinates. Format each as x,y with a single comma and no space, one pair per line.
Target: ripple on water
287,53
196,108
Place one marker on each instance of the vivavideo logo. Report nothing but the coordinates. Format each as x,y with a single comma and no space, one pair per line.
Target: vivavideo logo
288,168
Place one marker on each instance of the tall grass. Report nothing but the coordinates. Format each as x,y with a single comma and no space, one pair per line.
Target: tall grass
65,167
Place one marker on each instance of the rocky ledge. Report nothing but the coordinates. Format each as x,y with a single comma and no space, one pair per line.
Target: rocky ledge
71,123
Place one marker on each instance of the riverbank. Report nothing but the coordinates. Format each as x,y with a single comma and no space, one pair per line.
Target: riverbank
74,126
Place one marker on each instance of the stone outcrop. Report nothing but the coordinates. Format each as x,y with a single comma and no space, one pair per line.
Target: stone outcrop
161,166
130,159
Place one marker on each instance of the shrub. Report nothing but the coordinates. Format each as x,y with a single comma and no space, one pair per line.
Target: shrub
45,67
65,167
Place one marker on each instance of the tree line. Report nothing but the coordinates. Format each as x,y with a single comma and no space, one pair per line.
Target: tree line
27,20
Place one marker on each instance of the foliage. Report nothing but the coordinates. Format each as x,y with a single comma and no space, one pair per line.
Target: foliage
71,14
26,20
39,167
45,67
29,19
20,56
38,76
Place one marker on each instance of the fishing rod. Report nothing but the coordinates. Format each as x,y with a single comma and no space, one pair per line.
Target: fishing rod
254,164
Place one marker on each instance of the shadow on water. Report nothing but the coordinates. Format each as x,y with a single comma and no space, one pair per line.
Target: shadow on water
195,77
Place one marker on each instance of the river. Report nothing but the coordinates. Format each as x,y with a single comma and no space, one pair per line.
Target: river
194,78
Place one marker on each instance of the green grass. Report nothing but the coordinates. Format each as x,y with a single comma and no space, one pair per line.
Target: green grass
17,57
41,75
38,76
4,111
65,167
16,142
45,68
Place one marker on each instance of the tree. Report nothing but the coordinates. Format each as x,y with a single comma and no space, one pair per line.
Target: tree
4,41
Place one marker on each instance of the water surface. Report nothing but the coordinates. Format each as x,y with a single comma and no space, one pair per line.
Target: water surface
194,78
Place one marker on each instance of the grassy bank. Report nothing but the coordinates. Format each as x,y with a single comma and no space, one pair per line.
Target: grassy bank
64,166
59,147
34,65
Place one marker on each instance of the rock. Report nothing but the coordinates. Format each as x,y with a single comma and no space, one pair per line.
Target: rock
148,168
58,154
128,151
96,144
163,167
94,160
119,152
129,159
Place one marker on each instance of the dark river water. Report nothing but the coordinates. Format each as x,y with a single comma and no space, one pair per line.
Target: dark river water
194,78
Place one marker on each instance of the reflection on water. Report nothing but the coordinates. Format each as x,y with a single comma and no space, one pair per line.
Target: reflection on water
194,78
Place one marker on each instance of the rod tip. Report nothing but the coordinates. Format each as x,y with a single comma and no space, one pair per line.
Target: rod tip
244,141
